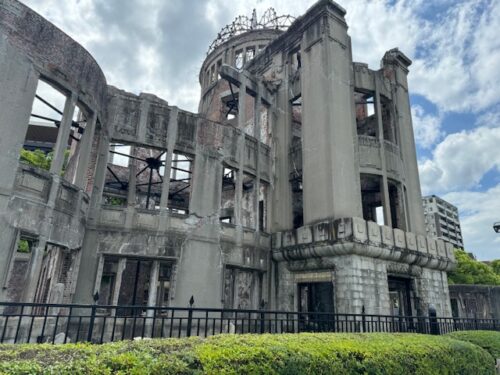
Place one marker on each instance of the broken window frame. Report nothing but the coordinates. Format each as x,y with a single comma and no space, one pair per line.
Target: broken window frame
372,212
179,166
239,59
52,113
363,101
228,183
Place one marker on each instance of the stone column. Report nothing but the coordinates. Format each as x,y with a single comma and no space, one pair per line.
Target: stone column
395,65
18,82
256,134
330,178
153,289
131,193
165,187
280,121
122,263
88,272
63,134
385,186
85,150
242,99
100,177
201,247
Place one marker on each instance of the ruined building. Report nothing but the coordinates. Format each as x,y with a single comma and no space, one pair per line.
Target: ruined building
295,187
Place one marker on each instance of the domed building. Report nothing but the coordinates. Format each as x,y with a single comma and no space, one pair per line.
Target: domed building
294,188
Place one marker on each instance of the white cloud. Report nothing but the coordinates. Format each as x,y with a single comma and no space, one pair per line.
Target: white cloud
458,69
426,127
478,212
461,160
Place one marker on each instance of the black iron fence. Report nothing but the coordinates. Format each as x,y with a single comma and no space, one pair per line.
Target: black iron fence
62,323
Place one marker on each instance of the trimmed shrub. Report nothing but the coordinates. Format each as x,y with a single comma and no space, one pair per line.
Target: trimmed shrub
324,353
488,340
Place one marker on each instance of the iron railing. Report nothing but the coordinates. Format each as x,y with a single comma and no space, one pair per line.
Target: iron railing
62,323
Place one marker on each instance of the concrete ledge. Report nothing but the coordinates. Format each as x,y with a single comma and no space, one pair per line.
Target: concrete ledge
357,236
374,235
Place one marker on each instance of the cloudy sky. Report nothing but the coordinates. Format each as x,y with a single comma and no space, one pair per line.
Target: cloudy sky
158,46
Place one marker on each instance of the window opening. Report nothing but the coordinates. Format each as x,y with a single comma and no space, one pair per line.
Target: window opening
181,175
366,120
371,197
239,59
228,195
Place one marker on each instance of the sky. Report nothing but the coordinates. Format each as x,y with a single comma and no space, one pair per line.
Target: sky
158,46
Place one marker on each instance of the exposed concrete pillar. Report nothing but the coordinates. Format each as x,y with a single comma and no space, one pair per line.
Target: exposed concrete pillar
152,295
122,263
63,134
153,285
202,244
18,82
131,193
35,267
88,274
172,137
99,178
242,100
384,187
331,185
98,278
85,150
395,65
256,133
280,121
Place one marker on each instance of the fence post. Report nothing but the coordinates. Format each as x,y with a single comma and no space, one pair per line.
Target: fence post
262,306
190,317
92,317
433,322
363,317
476,327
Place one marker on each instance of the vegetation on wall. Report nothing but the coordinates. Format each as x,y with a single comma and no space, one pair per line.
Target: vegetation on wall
37,158
471,271
23,246
40,159
320,353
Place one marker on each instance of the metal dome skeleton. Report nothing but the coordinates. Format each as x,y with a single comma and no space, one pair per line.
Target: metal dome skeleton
243,24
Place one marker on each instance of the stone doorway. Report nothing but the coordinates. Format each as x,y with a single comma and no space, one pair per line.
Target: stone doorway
316,306
316,297
399,296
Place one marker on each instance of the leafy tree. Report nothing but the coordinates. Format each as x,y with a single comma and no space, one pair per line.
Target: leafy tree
471,271
495,265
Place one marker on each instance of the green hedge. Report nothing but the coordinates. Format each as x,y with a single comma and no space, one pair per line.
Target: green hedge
488,340
256,354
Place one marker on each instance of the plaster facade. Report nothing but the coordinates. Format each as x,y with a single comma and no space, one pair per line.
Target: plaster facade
295,186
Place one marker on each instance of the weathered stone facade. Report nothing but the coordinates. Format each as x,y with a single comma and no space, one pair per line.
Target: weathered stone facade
295,186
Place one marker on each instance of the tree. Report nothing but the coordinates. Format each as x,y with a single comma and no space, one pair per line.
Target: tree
471,271
495,265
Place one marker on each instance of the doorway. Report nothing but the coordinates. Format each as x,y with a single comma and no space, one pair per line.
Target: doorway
316,305
399,296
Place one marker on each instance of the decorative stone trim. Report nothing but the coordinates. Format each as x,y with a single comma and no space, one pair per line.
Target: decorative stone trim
357,236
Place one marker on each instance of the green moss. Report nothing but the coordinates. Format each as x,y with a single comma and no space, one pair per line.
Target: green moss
255,354
488,340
